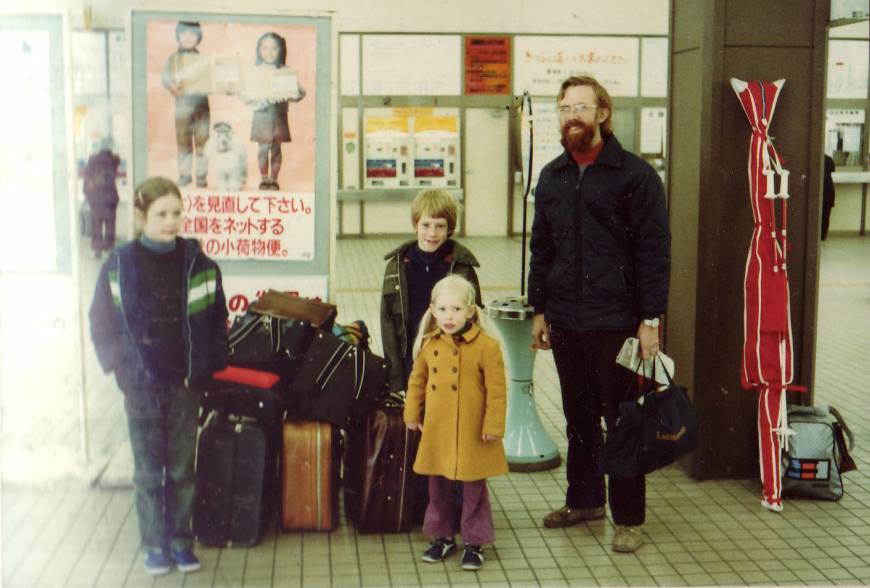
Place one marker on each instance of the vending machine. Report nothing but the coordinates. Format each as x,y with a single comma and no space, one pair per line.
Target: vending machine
436,151
387,152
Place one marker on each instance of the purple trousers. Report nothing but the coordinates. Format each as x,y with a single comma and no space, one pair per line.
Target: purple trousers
472,514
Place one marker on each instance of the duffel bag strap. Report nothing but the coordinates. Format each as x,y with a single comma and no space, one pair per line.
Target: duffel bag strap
843,424
331,365
359,372
274,325
242,332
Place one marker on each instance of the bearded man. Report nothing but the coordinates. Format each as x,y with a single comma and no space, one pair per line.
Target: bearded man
599,272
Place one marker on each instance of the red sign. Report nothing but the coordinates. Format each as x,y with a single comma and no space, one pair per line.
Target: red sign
487,64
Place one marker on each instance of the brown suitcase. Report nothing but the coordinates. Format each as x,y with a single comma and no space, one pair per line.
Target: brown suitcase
274,303
309,477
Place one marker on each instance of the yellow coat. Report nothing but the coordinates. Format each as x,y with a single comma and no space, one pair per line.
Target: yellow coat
462,387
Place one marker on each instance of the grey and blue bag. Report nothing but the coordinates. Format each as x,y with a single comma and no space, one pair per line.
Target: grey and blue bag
818,453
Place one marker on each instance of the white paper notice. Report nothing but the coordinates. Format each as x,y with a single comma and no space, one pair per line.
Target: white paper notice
89,63
851,138
547,141
412,65
654,69
27,237
653,125
118,81
349,65
848,65
541,63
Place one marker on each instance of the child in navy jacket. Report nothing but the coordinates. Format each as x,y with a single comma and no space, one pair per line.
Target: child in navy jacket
158,321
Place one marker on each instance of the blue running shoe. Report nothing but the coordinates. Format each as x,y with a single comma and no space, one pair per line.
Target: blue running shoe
185,560
157,562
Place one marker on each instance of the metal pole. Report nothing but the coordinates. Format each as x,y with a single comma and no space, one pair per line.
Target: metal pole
527,98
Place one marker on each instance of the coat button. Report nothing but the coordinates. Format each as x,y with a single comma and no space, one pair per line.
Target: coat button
454,387
433,386
455,369
435,353
434,370
455,352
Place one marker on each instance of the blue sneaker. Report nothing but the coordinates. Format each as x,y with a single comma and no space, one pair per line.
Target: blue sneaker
185,560
157,562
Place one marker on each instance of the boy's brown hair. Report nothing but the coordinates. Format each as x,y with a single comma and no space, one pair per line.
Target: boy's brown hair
437,204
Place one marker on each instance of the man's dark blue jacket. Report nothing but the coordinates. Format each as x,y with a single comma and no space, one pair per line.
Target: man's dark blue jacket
117,323
600,245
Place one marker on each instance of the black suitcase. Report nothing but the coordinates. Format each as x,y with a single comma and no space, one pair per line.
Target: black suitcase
269,343
236,479
237,457
337,382
381,491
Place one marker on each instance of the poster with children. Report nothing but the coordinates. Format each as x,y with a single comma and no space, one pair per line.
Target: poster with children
231,119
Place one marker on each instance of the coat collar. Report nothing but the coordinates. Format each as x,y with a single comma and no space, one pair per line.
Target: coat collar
468,336
460,253
611,155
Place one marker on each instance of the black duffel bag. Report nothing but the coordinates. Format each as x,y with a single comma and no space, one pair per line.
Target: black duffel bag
337,382
269,343
651,432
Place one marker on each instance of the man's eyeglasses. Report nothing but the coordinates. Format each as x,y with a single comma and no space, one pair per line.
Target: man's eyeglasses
575,110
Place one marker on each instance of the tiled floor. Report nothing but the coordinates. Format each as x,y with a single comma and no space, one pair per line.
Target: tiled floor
698,533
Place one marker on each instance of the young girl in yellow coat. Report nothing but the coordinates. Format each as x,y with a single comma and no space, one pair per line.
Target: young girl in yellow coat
458,382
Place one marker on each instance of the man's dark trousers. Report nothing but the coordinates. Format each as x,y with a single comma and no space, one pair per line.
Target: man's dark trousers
593,385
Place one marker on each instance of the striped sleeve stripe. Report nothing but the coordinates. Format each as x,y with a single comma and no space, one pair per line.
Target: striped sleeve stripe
202,291
115,287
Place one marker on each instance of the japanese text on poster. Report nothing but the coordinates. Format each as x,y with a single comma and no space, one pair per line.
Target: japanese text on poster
251,225
487,65
242,291
541,63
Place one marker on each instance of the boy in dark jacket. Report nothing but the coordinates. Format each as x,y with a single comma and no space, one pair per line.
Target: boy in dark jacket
412,270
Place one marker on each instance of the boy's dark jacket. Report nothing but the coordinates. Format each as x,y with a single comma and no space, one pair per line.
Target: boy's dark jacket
117,323
395,304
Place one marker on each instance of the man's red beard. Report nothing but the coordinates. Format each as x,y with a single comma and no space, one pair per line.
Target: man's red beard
581,141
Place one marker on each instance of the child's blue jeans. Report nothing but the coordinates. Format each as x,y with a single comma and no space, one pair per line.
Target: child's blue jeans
162,422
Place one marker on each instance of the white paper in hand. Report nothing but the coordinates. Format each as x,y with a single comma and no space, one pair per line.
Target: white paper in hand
629,356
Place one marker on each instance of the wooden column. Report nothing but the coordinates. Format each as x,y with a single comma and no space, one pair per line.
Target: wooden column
711,217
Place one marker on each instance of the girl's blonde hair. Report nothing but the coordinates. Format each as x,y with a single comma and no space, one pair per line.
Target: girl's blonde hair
428,324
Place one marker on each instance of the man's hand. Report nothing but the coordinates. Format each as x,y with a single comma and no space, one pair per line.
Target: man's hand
649,340
415,426
489,438
540,333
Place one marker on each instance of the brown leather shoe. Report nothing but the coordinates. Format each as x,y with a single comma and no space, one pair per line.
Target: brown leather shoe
567,516
627,539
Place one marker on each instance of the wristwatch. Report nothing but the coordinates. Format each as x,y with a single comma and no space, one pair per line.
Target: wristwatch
653,322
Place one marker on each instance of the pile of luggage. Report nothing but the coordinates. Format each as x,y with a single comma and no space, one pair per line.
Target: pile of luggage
301,410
